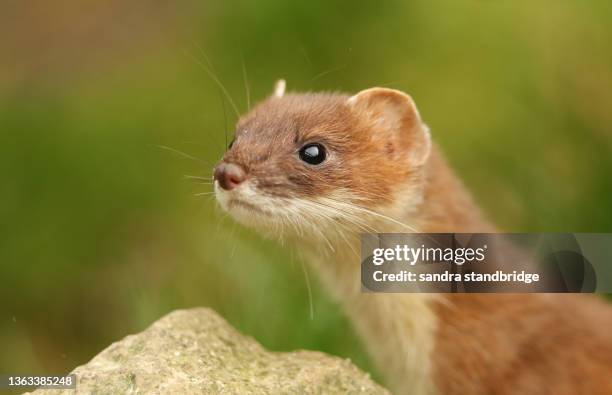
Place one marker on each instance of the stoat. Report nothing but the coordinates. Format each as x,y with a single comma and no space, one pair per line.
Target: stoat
319,169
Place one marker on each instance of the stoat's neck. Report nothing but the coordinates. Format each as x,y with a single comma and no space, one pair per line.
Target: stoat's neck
399,329
447,205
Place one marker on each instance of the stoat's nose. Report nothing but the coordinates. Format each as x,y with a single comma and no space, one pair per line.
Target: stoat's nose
229,175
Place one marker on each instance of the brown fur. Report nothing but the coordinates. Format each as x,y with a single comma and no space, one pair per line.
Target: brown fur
512,344
381,159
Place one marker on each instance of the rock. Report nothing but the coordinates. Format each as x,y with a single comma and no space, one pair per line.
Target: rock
197,352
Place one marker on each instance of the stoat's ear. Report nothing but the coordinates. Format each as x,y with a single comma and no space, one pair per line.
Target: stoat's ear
279,88
394,114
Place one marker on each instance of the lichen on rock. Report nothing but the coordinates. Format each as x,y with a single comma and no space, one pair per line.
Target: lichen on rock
197,352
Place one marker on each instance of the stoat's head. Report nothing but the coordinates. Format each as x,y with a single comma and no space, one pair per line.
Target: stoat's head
312,162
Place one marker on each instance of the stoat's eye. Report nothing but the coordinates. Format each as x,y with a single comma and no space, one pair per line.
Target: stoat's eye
313,153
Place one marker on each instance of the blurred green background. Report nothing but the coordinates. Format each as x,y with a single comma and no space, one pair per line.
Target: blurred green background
100,231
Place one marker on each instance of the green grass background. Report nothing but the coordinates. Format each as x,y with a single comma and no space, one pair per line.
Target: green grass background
101,234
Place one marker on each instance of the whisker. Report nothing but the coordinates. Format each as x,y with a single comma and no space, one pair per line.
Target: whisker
246,86
347,216
184,154
215,79
303,50
350,246
310,302
198,178
233,237
204,55
377,214
372,212
324,73
224,119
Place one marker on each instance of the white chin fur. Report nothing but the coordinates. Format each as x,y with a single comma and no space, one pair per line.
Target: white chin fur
271,215
321,218
249,207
